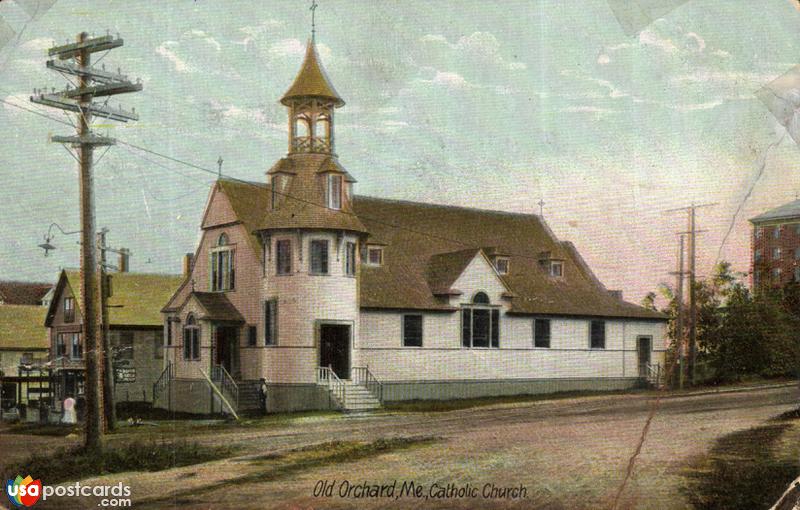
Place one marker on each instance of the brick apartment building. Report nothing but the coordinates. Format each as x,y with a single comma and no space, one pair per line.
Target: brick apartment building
775,253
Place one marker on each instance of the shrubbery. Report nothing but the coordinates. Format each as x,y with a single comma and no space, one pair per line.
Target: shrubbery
741,334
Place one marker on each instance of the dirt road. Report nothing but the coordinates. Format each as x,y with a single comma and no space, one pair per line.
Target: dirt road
565,453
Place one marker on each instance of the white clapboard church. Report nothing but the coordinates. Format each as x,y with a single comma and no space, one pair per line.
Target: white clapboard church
331,300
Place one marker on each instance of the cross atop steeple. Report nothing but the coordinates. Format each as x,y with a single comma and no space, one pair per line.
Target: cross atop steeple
541,207
313,10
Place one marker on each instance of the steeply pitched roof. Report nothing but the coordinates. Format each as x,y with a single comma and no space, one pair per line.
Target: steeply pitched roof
312,81
217,306
417,234
443,269
422,247
249,201
301,205
22,327
136,298
23,293
790,211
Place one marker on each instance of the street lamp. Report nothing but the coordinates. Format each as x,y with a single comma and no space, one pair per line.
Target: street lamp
46,245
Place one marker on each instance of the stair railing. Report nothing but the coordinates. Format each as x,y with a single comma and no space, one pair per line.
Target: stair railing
327,377
163,380
362,375
227,384
654,374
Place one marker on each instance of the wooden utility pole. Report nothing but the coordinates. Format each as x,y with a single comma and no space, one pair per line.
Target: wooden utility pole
75,59
679,340
692,319
692,297
109,407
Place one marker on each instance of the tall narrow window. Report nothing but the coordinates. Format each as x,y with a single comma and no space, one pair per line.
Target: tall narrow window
252,336
597,334
222,270
541,333
557,269
61,345
69,309
275,189
480,323
191,339
350,259
319,256
334,191
776,232
412,330
270,322
77,348
776,254
283,258
169,326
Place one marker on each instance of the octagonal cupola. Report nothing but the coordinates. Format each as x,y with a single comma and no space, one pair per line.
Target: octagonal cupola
311,101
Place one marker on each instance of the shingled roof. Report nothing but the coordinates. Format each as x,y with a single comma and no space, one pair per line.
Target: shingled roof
300,206
217,306
426,244
420,236
23,293
136,298
312,81
22,327
790,211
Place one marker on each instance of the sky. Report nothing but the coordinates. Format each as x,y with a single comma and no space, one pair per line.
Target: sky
610,112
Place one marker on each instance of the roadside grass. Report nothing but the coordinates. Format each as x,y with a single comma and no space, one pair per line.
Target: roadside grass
747,469
436,406
36,429
67,464
280,465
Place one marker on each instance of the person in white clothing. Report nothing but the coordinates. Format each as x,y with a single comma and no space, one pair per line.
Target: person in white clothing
69,416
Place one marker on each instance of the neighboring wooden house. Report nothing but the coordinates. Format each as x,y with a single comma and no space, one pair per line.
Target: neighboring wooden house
135,329
24,293
332,300
23,345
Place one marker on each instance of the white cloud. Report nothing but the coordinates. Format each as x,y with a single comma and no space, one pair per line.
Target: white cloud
603,59
483,45
40,44
181,65
588,109
199,34
450,80
648,37
695,107
295,48
19,99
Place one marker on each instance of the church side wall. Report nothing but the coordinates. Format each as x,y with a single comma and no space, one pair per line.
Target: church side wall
442,369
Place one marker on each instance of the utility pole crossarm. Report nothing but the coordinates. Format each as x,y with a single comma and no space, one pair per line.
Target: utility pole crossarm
97,75
60,101
94,288
90,139
85,46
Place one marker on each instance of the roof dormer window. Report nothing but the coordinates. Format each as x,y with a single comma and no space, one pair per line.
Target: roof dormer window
556,268
501,264
334,191
374,255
